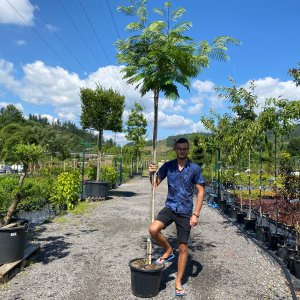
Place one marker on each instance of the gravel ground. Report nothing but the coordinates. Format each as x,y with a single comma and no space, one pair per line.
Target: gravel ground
87,256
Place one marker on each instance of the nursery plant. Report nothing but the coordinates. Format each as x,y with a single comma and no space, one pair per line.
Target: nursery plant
158,56
25,155
102,109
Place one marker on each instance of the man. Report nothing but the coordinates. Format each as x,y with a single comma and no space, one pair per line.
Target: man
182,175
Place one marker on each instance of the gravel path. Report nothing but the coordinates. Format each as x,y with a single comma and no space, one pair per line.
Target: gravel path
86,258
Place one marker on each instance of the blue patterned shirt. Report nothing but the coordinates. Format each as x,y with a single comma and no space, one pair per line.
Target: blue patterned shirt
181,185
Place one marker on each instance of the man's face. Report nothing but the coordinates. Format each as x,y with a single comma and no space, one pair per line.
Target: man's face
182,150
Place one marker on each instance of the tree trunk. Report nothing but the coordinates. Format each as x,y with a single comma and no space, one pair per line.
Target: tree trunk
153,187
15,202
100,135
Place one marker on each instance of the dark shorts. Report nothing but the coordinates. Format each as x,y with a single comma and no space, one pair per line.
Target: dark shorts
182,222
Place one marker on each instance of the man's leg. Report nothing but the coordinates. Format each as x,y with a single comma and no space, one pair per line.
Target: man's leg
155,232
182,261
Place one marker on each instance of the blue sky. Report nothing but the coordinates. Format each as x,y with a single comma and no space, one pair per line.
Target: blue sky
50,49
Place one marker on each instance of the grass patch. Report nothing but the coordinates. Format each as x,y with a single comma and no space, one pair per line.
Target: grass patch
61,219
81,208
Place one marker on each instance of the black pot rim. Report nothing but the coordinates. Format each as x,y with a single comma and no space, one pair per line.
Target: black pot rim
143,270
19,227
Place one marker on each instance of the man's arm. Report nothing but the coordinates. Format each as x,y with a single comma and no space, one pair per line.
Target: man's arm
200,197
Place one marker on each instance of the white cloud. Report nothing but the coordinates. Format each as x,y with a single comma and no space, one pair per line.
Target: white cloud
20,42
17,105
17,12
44,85
269,87
205,96
52,28
172,106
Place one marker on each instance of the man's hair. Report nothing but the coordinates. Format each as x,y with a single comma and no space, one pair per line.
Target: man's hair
181,141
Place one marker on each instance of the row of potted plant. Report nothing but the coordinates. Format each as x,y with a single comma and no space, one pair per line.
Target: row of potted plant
281,238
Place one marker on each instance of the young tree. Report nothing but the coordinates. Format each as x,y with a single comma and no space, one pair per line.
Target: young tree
101,110
136,130
160,56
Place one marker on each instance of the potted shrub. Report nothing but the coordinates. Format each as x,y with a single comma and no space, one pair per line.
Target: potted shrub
13,236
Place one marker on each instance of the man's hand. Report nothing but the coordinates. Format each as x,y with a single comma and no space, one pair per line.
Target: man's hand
194,220
152,169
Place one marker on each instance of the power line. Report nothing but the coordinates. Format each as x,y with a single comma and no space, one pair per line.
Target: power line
38,34
77,30
97,37
113,19
94,31
64,44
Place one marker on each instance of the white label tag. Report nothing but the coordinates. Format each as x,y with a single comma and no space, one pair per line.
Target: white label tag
13,234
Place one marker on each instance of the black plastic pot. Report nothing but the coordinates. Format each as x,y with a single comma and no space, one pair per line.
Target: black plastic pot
222,205
12,244
227,208
233,213
282,252
240,217
274,240
262,233
145,283
290,259
96,189
296,268
250,224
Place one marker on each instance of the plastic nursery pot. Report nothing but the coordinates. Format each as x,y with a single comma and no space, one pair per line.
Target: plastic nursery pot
145,283
227,208
233,213
222,205
12,244
250,224
262,233
296,268
96,189
282,252
291,254
240,217
274,240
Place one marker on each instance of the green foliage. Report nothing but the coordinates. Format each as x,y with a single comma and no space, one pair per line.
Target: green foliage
293,146
91,172
34,192
65,191
159,54
136,129
295,73
10,114
109,174
8,189
197,152
101,109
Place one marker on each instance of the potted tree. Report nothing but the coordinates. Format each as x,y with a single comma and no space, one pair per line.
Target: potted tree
157,57
136,133
101,110
13,235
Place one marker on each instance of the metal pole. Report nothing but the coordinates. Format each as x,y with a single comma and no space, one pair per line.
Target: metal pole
82,170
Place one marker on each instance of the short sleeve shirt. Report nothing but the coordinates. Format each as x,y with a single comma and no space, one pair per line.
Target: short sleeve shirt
181,185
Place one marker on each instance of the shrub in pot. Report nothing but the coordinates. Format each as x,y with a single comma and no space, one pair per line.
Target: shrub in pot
12,238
